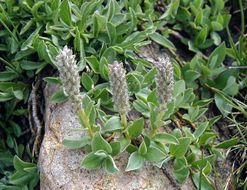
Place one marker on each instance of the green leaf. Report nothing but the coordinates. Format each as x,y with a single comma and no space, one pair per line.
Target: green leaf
223,105
207,137
124,144
99,23
141,107
59,97
65,12
20,165
149,77
5,96
113,124
88,8
30,65
91,161
206,183
53,80
199,17
26,45
191,75
78,43
192,46
201,163
181,170
231,87
103,68
179,87
202,103
162,40
207,169
18,94
200,129
13,46
111,31
132,148
99,143
7,76
227,144
154,154
42,49
216,38
217,56
166,138
79,46
87,81
35,9
219,4
21,178
134,84
216,26
26,27
177,70
76,143
101,153
202,35
116,148
109,165
142,150
135,162
16,128
111,9
133,39
133,20
153,98
10,141
135,128
171,9
180,149
94,63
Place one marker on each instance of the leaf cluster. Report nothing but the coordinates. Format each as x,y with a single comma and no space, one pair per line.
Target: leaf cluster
101,32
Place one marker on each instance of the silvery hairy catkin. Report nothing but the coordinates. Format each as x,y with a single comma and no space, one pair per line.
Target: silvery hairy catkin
119,87
164,81
69,75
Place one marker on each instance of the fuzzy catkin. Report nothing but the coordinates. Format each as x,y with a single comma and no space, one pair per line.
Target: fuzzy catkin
69,75
164,81
119,87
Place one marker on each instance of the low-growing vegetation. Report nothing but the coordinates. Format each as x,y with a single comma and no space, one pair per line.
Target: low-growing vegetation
189,103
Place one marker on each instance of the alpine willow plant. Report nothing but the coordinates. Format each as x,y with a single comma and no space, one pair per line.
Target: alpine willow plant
164,85
119,90
117,134
69,75
164,81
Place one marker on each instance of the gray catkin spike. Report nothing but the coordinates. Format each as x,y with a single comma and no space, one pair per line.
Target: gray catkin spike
164,81
69,75
119,87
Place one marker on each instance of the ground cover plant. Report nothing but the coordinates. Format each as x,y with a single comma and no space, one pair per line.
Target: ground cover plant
199,91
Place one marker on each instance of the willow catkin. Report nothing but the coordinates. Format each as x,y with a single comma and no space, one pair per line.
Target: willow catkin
119,87
164,81
69,75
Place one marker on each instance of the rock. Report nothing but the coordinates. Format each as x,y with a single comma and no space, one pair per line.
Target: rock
60,167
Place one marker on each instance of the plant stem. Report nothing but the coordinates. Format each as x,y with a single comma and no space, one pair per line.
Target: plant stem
124,124
190,122
232,44
159,123
241,38
200,176
242,17
84,120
